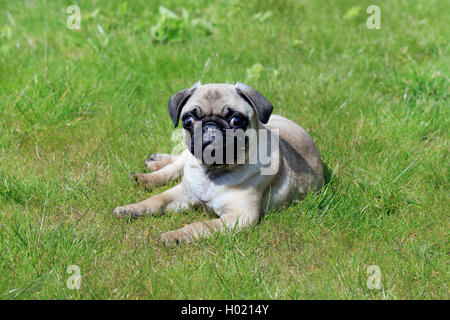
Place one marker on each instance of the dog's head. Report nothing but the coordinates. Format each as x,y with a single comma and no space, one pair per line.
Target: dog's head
217,119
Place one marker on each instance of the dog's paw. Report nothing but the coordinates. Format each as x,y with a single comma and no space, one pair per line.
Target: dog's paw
175,237
157,161
152,162
129,211
135,177
144,179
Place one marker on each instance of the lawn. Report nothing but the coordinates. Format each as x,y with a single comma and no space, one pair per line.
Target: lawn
80,109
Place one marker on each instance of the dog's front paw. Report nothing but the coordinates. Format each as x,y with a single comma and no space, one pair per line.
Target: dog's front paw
175,237
152,162
157,161
144,179
136,177
129,211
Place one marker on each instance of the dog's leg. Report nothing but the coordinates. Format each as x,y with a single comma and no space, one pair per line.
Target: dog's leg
160,177
172,199
157,161
235,219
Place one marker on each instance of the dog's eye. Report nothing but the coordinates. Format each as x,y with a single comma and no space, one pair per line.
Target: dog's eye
236,121
188,122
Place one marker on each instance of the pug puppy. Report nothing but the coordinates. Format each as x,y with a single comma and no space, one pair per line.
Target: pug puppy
240,161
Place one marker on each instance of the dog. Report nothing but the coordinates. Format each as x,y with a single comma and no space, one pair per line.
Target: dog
242,188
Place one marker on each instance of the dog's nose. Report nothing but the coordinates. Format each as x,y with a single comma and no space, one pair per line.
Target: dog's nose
209,133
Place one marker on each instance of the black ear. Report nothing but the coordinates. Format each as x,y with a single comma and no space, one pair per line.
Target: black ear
178,100
261,105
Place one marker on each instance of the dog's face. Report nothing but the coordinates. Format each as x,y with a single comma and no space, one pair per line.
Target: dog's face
217,119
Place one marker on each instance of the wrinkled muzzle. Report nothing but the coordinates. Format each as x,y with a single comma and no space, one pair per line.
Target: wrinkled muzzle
211,133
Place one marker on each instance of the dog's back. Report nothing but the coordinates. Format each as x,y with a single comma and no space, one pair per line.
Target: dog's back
300,156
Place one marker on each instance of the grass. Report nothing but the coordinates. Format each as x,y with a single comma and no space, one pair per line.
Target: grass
79,110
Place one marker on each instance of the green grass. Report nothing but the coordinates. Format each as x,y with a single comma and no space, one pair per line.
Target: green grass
79,110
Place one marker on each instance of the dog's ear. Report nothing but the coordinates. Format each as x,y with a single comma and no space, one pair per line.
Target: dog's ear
178,100
261,105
